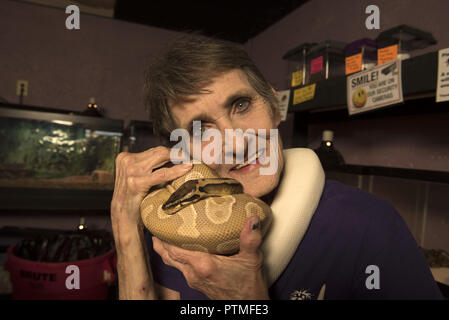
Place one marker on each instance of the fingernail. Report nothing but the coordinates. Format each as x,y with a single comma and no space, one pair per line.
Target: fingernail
256,224
186,166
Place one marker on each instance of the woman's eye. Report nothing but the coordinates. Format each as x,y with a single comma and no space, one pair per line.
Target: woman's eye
242,105
203,128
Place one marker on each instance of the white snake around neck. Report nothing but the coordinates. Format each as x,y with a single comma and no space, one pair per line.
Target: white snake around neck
294,204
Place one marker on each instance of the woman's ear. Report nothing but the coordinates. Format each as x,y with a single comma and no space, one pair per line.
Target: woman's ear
277,113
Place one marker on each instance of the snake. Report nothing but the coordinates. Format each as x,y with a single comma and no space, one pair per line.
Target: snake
201,211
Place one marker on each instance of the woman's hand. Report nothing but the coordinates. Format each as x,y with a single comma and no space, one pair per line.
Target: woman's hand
135,175
237,277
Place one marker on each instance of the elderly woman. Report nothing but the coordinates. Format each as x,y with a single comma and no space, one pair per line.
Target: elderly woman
351,245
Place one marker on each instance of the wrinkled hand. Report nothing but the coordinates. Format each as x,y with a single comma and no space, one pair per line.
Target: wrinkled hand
237,277
135,175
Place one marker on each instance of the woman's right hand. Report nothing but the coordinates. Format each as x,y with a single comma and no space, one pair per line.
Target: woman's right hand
134,176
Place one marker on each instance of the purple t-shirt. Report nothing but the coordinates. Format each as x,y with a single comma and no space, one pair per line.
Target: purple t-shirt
356,244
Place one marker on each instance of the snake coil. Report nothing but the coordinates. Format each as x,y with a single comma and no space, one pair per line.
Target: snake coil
203,212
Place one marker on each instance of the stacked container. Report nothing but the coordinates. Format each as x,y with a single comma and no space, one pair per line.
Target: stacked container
324,61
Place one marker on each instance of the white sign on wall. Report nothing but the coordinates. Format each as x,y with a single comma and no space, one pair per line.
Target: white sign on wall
375,88
443,76
283,99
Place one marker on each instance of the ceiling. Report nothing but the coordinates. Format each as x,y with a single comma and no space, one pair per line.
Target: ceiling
103,8
234,20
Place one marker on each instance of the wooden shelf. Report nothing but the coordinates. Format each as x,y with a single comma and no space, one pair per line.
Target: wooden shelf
419,80
404,173
54,199
419,77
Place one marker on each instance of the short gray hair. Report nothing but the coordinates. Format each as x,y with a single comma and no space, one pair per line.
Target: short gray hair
189,64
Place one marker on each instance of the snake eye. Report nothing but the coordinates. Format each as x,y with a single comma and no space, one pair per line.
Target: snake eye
193,191
181,196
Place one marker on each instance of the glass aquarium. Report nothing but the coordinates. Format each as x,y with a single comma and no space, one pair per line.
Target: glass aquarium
51,150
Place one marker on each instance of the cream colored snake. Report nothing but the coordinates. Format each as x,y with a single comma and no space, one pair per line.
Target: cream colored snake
201,211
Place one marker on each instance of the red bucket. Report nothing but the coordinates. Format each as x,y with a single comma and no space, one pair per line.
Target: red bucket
33,280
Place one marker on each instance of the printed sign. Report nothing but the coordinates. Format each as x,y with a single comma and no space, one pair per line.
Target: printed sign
283,98
297,78
387,54
353,63
443,76
304,94
316,65
375,88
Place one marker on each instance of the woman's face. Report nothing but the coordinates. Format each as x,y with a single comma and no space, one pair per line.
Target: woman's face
232,103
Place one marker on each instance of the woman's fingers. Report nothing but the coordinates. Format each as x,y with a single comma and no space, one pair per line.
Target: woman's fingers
167,174
142,183
135,175
168,258
150,153
144,162
250,237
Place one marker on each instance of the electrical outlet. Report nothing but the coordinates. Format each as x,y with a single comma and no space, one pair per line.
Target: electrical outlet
23,83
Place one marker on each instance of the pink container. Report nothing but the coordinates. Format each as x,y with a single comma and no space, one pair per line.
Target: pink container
47,281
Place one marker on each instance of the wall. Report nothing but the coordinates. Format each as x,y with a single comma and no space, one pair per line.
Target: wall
419,142
408,142
64,68
343,20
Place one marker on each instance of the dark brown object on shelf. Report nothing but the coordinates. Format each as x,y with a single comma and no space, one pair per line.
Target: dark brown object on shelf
65,247
12,170
436,258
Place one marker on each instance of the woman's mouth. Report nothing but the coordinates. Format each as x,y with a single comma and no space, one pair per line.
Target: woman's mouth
245,166
251,162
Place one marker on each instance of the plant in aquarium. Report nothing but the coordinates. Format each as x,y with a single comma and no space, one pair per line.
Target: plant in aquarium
45,150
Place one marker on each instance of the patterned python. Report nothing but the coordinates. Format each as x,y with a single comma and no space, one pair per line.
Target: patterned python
202,212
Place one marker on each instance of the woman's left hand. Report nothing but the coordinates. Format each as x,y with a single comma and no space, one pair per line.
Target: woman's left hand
236,277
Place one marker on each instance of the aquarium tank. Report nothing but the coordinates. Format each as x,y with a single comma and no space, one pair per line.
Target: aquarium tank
51,150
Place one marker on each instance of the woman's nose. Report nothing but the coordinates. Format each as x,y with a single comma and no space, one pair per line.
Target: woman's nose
235,140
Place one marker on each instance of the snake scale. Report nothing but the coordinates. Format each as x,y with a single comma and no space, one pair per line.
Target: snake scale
201,211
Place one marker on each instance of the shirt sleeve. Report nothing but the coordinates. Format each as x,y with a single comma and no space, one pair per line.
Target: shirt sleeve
392,266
